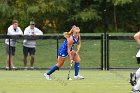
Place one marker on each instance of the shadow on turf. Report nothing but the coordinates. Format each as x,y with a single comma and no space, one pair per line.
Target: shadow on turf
59,80
3,92
119,75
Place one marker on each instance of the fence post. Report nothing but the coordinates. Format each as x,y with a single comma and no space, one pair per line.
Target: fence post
102,53
57,40
105,51
107,55
9,61
105,24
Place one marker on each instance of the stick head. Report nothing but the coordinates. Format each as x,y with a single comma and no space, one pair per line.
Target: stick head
70,79
71,64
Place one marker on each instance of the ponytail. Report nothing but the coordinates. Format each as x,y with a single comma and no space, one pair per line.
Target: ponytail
68,34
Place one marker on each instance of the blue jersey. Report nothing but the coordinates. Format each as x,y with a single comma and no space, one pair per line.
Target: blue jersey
63,50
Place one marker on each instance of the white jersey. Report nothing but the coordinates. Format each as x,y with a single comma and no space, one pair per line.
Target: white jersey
28,31
12,31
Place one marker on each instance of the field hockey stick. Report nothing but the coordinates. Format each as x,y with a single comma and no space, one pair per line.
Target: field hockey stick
70,68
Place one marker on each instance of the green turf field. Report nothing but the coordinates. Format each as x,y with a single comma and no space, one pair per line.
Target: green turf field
34,82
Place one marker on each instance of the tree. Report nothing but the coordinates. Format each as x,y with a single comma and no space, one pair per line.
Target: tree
56,16
115,3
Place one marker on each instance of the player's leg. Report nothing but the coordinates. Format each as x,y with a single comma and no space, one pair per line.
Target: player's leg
11,62
13,49
32,61
25,54
32,54
25,61
136,76
136,87
60,62
9,58
10,53
77,60
133,77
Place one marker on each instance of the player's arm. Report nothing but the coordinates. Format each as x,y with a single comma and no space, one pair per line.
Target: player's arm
79,45
137,37
70,42
38,32
10,31
20,31
26,31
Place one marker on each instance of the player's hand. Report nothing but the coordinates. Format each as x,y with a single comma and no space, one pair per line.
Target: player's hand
33,34
71,62
76,52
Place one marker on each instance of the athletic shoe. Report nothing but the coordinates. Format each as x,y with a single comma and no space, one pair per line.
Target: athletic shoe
135,91
25,68
132,79
14,68
31,68
78,77
47,76
6,68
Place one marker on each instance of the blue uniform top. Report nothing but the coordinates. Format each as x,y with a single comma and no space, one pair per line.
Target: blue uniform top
63,50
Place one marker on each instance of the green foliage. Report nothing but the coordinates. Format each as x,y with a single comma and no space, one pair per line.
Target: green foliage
52,15
121,2
86,15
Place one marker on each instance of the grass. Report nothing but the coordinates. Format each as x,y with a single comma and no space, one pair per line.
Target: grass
34,82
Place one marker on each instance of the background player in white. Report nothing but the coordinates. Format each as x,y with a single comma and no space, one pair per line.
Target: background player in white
29,45
12,30
136,76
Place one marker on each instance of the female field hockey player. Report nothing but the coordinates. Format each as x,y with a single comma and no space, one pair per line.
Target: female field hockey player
136,76
66,49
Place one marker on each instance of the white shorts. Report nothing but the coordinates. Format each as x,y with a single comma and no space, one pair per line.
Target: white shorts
138,54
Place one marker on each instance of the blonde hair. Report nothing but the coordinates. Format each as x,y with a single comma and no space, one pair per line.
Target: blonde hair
68,34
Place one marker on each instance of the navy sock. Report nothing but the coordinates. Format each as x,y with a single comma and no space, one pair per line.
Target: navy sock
77,67
52,70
